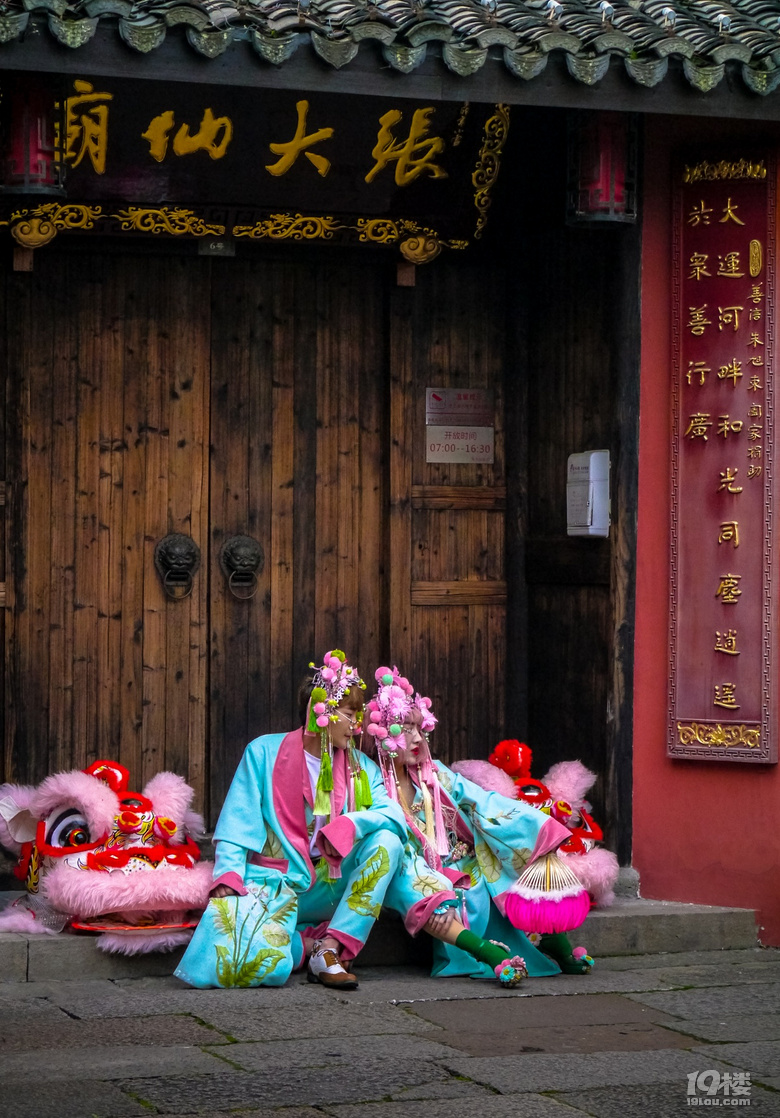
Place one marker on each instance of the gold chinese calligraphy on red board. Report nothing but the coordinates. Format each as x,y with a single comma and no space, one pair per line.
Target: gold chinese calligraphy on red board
723,623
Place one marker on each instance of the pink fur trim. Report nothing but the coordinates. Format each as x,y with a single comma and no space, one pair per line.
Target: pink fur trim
21,794
137,944
95,799
88,893
569,780
487,776
598,871
23,921
194,824
171,796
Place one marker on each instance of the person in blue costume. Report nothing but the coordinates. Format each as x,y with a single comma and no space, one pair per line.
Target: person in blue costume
465,848
306,845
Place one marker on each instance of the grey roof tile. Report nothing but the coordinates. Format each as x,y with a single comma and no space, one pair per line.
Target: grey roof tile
711,37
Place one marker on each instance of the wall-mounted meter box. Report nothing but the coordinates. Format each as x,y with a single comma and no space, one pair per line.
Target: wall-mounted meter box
587,494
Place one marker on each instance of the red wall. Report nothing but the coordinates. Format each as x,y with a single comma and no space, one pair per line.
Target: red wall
703,833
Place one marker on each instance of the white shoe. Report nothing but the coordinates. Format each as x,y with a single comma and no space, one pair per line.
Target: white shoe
325,967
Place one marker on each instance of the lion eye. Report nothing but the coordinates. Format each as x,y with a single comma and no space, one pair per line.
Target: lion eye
69,828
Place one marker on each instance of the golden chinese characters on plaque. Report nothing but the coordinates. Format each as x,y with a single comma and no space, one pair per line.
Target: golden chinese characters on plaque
723,687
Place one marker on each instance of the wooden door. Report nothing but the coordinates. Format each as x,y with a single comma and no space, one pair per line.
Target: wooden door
279,396
448,583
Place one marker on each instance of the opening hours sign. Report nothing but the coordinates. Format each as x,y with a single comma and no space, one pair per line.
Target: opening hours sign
722,616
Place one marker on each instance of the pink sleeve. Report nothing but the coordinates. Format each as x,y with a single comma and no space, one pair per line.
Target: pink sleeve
341,835
232,880
551,835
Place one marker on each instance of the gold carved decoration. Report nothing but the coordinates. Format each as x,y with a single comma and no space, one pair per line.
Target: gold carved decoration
756,258
724,169
177,222
488,164
726,737
35,228
294,227
420,249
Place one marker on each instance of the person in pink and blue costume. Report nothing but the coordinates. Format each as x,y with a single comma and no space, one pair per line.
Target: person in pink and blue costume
464,849
308,826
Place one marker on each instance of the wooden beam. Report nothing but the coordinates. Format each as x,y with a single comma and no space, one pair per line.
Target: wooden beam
459,497
465,592
23,259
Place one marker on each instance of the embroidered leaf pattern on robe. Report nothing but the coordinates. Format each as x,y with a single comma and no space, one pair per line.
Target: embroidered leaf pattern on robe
520,859
275,934
471,867
360,899
489,863
427,884
273,847
287,908
224,915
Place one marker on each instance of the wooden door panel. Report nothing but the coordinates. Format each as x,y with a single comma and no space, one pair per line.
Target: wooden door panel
106,361
447,521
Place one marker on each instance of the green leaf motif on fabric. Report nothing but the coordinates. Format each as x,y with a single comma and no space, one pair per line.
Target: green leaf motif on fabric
489,863
444,780
275,934
224,913
520,859
247,972
273,846
359,899
287,908
427,884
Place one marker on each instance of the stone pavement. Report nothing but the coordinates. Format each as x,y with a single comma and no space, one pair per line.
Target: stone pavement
619,1042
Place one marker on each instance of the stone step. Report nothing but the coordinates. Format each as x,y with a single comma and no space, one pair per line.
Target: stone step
632,926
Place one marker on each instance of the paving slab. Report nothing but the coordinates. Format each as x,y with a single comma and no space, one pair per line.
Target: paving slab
504,1017
84,1100
114,1062
264,1112
449,1089
334,1051
492,1106
369,1081
667,1100
762,1026
57,1030
721,1002
13,958
258,1022
561,1072
760,1058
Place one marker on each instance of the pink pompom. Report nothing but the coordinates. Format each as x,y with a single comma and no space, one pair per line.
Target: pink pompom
578,952
319,708
371,729
334,663
375,716
327,673
380,672
322,721
381,732
404,682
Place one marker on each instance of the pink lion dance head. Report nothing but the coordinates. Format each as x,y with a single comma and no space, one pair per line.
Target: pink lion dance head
96,856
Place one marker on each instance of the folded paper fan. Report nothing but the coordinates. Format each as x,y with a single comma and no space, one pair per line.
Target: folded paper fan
547,898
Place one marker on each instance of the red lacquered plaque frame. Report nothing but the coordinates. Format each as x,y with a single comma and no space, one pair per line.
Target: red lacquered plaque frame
723,689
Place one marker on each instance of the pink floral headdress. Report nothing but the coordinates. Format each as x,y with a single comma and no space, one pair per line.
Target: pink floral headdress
332,680
388,710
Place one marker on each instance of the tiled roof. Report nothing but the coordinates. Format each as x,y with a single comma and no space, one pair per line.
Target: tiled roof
706,36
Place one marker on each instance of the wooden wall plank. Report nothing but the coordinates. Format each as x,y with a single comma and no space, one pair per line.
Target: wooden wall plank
404,647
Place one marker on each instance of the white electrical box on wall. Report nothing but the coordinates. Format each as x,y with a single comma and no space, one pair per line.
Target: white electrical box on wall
587,494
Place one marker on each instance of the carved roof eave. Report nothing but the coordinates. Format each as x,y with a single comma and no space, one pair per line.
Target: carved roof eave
709,43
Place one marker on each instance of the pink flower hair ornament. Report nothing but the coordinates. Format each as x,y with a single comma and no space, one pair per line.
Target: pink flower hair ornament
391,707
333,679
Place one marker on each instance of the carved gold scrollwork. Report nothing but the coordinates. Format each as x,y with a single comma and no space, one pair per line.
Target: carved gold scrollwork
35,228
421,249
378,230
488,164
177,222
719,736
293,227
724,169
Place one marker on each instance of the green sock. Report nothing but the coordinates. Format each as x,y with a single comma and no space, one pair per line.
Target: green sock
481,949
558,947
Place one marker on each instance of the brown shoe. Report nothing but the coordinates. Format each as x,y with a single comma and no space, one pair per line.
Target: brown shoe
325,967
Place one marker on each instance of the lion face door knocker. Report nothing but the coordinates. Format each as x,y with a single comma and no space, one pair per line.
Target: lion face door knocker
177,558
241,561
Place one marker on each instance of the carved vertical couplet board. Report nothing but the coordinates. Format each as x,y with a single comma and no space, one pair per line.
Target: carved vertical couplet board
723,622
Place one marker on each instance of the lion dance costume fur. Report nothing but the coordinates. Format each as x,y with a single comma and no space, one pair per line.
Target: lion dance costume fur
97,857
560,794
